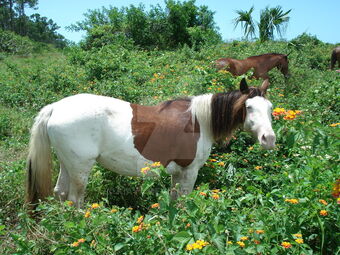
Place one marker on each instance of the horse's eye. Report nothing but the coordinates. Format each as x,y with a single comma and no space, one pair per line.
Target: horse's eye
249,107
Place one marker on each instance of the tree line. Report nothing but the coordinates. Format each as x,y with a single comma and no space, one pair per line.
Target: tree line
38,28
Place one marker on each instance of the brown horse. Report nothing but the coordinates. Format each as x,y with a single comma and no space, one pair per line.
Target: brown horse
262,64
335,57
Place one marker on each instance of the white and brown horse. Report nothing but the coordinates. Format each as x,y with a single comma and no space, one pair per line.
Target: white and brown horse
121,136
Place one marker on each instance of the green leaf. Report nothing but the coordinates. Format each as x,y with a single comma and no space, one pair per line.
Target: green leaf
182,237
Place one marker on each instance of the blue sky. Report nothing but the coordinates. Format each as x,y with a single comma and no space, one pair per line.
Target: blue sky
320,18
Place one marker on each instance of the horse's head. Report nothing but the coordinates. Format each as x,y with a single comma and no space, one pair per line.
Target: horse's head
283,65
258,114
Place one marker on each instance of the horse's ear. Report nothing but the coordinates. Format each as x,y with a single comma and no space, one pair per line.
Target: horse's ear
265,85
244,86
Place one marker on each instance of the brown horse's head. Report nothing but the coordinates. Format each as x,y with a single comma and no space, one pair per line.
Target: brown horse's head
283,65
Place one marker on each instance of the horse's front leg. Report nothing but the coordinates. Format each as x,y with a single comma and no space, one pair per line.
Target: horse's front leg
183,182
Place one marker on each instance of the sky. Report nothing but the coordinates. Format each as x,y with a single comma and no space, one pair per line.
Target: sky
315,17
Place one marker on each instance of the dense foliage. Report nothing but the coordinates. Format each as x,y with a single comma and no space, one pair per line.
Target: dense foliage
36,27
246,200
179,23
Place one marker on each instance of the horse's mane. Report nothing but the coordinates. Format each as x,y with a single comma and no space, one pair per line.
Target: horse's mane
228,111
222,113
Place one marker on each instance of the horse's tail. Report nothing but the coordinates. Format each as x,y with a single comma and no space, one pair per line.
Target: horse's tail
39,163
333,59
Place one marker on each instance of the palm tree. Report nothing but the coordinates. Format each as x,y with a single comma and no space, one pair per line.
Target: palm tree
247,24
271,20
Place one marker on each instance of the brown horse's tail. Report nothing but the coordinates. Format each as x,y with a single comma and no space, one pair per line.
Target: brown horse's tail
333,59
38,178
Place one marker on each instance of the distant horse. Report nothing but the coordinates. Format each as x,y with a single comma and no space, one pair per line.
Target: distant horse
335,57
121,136
262,64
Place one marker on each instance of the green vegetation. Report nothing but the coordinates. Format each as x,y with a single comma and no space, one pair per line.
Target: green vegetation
246,200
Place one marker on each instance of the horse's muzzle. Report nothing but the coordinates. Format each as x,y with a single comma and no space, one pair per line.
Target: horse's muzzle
267,141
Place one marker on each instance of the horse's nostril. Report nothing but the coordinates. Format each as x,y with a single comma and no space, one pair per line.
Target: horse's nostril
263,138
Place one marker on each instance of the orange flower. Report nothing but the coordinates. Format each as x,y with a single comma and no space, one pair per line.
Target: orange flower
81,240
257,241
156,205
244,238
136,229
323,202
259,231
258,167
298,235
334,124
75,244
203,194
69,203
323,213
286,245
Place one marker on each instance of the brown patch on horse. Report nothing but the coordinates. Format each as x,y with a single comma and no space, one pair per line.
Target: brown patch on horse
262,64
165,132
228,111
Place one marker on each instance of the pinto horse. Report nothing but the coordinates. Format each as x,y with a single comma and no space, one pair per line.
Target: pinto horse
262,64
335,57
123,137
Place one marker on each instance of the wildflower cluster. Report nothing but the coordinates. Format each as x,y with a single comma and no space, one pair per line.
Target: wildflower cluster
199,244
146,169
77,243
88,211
334,124
287,114
157,76
141,226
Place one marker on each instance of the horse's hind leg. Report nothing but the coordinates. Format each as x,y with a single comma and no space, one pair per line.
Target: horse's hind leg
61,189
78,176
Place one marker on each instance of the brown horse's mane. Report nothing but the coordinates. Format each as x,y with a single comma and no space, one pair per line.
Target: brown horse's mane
228,111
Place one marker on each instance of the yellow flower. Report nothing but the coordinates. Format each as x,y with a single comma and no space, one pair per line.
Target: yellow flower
299,240
87,214
323,213
241,244
215,196
140,219
334,124
322,201
93,243
69,203
114,210
215,190
244,238
199,244
212,160
298,235
229,242
286,245
156,164
292,200
144,170
95,205
156,205
221,164
136,229
251,148
259,231
258,167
